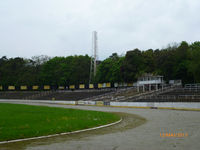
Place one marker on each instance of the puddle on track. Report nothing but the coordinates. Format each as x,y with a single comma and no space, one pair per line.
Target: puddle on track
129,121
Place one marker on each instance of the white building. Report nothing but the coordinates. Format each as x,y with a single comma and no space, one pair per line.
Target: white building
150,82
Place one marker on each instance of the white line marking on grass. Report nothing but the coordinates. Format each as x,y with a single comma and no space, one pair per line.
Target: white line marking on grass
65,133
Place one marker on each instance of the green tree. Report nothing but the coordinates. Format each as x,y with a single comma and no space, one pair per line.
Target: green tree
133,65
194,61
110,69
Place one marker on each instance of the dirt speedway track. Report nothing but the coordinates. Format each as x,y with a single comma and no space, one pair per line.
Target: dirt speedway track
141,129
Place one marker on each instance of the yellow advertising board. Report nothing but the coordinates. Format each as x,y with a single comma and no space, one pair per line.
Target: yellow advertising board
99,103
129,84
81,86
61,87
46,87
23,87
35,87
91,86
81,102
100,85
1,87
11,87
72,86
108,85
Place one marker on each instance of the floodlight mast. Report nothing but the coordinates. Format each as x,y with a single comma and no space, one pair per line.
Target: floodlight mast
94,57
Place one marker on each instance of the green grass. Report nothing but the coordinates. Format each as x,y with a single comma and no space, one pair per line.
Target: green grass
22,121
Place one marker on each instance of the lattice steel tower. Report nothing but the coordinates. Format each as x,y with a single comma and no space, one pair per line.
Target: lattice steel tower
94,57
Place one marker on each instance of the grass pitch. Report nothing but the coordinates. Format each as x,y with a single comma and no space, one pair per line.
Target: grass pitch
23,121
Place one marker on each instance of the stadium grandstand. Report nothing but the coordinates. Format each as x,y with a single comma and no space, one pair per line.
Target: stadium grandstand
107,92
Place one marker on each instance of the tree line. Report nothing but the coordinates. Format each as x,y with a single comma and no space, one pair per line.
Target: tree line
177,61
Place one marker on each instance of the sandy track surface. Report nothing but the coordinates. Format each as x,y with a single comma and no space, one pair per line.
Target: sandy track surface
139,130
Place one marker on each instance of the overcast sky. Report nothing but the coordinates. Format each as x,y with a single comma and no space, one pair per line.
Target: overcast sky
64,27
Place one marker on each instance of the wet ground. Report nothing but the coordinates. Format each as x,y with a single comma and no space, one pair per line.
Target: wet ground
140,129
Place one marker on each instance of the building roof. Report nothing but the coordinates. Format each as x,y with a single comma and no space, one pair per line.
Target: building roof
150,75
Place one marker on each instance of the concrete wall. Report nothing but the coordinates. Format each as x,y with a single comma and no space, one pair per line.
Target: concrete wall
178,105
118,104
165,104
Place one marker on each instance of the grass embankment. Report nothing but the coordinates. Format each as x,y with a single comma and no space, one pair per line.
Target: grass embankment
22,121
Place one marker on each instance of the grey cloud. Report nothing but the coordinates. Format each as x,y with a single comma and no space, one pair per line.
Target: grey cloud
65,27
